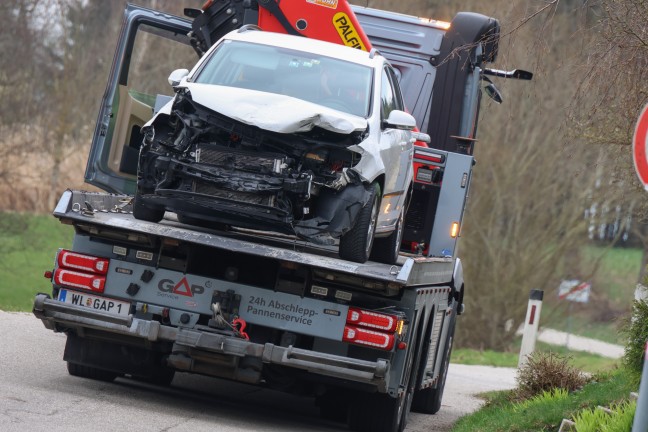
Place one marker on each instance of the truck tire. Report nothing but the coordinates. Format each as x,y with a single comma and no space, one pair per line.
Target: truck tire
82,371
334,406
146,213
378,412
386,249
356,244
428,401
160,377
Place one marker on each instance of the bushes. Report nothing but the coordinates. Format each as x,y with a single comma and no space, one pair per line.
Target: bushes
546,371
636,331
619,418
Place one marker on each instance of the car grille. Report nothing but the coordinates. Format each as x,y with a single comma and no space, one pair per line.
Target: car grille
208,189
214,155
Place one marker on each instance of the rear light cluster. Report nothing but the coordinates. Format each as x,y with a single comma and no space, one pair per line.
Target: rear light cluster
81,271
428,167
372,329
424,156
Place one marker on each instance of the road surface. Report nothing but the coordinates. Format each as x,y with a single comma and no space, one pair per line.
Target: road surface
37,394
579,343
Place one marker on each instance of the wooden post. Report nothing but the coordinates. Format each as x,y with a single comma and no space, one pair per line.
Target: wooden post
530,333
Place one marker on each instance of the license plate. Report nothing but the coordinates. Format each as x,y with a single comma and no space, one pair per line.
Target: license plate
98,303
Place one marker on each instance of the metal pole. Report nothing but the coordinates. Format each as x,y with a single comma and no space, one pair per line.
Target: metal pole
530,333
640,423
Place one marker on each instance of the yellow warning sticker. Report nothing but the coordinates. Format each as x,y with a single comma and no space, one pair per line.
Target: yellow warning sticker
326,3
347,31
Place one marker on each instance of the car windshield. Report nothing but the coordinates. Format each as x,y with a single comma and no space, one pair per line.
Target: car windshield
326,81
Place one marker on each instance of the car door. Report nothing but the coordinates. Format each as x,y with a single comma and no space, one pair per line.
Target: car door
150,46
396,150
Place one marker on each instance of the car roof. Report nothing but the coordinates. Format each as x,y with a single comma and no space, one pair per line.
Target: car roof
300,43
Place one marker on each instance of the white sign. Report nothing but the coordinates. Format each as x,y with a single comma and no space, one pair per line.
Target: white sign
574,290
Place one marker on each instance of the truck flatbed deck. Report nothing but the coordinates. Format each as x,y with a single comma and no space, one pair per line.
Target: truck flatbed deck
98,211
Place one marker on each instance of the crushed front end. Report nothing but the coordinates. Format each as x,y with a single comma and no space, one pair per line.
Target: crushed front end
198,162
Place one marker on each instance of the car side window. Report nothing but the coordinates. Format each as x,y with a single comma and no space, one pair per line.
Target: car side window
390,98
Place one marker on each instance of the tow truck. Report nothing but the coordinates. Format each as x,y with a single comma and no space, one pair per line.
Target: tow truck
369,341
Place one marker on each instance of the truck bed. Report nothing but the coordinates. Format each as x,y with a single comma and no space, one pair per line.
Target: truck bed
96,212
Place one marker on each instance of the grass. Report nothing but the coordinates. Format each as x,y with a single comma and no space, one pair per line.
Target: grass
547,412
28,244
582,325
585,361
613,286
618,273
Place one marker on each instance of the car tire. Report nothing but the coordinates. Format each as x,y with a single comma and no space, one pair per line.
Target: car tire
386,249
356,244
83,371
144,212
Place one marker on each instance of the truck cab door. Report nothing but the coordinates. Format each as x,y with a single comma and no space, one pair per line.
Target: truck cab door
150,46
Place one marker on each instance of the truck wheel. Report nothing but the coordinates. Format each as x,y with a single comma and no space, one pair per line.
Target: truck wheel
82,371
428,401
379,412
334,406
356,244
160,377
145,213
385,250
376,412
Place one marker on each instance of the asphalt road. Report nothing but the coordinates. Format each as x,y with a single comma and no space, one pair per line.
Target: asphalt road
37,394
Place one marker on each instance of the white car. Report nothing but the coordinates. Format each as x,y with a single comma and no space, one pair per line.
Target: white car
283,133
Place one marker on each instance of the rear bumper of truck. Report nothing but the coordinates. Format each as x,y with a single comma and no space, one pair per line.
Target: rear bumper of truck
56,315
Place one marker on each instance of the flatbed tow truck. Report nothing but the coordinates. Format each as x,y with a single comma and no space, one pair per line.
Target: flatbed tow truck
368,341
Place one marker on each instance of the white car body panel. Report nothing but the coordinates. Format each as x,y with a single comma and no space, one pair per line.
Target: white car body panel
384,151
273,112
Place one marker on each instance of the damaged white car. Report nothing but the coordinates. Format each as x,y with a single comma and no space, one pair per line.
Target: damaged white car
288,134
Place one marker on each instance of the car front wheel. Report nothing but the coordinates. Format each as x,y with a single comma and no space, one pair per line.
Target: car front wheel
144,212
356,244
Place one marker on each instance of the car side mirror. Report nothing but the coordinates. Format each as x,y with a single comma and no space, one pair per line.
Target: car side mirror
177,76
400,120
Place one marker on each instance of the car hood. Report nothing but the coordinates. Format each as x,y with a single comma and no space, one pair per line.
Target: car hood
273,112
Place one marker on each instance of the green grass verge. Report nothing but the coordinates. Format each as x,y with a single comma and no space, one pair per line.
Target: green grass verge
582,325
547,413
28,244
613,286
587,362
618,273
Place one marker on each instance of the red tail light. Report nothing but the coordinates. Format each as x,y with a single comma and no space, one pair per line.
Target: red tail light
88,263
368,338
429,157
374,320
81,271
75,279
